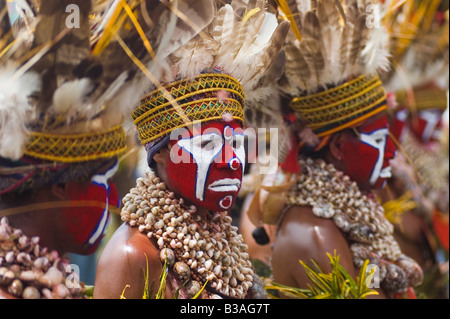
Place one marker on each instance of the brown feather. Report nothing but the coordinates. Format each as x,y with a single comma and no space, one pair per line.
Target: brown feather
273,48
275,71
4,21
328,13
358,36
310,49
300,68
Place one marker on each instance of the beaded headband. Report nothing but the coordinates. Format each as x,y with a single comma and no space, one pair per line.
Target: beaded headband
77,148
342,107
190,101
426,99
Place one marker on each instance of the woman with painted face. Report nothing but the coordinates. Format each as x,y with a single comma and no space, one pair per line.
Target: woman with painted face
176,218
60,138
343,150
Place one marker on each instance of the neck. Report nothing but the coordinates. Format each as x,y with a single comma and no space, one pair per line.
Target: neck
202,212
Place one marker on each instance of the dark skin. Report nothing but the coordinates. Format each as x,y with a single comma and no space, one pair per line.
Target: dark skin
47,225
50,225
246,228
304,236
124,260
410,233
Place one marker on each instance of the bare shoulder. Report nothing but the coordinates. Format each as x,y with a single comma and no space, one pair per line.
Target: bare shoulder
124,263
304,236
300,227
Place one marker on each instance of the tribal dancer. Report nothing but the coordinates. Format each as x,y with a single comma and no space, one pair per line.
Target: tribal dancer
60,136
417,195
192,128
332,86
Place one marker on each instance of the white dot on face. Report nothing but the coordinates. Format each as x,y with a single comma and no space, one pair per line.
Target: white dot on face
234,164
228,133
226,202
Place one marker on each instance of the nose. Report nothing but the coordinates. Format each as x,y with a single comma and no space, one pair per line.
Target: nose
391,149
228,158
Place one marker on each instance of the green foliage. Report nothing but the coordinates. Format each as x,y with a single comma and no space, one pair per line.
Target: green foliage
148,292
336,285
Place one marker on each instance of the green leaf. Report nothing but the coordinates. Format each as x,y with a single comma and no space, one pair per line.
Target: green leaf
201,291
163,281
146,275
336,285
316,279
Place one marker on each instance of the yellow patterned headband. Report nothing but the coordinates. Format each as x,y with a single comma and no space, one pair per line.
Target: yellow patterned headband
77,148
342,107
190,101
424,99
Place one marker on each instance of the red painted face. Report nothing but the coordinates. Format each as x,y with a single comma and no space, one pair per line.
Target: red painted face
399,123
367,157
87,225
427,126
206,166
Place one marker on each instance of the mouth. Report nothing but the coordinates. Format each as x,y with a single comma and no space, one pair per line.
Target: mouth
386,173
225,185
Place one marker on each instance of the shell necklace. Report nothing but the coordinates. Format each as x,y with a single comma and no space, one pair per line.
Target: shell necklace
333,195
30,271
199,250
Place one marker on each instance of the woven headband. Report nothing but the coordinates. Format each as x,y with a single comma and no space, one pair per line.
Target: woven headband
425,99
187,102
342,107
77,148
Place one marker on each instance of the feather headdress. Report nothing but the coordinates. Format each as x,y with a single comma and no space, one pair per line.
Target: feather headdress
59,77
332,42
333,56
420,54
66,74
234,60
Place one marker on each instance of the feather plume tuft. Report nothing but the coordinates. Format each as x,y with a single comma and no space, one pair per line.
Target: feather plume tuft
337,43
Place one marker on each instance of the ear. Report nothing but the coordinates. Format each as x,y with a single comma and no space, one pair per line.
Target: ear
161,156
336,146
59,191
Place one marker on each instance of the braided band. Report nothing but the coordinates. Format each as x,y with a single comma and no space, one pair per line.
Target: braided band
77,148
333,110
426,99
187,102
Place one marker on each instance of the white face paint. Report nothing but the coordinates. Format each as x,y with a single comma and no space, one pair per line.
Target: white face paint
207,163
203,148
102,180
378,140
432,119
225,185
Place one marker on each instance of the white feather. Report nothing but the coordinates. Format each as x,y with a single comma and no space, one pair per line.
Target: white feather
15,111
376,52
70,99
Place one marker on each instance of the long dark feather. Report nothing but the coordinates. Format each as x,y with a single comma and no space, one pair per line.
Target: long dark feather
312,53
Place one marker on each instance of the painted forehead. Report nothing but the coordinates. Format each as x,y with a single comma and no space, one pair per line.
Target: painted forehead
372,125
220,127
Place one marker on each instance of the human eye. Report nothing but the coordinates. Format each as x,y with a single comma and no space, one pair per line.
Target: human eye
237,142
380,138
210,143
